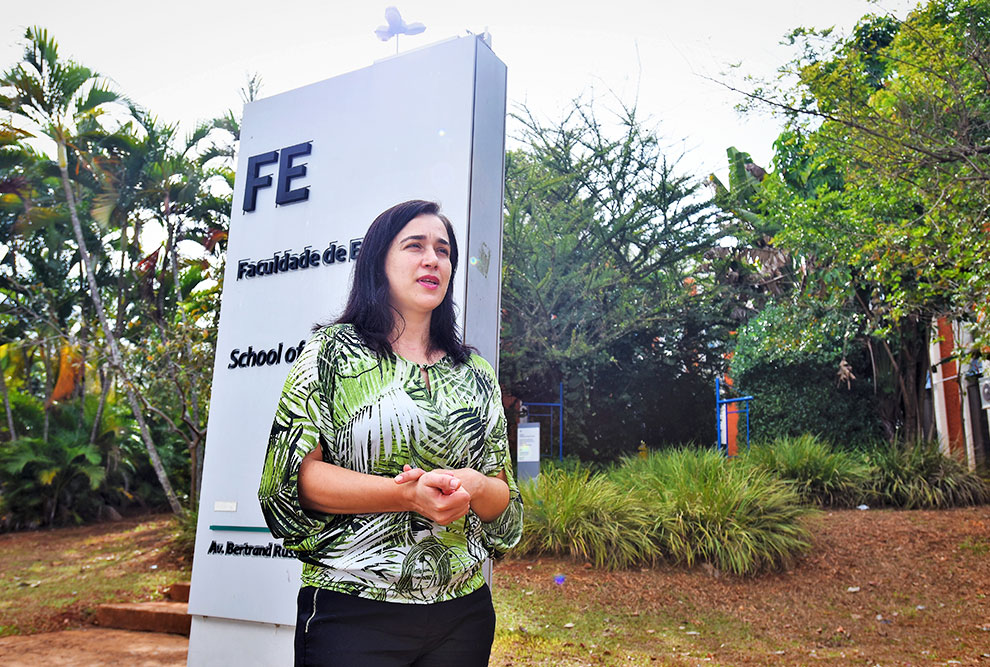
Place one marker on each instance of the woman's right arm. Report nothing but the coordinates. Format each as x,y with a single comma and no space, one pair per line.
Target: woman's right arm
330,489
296,431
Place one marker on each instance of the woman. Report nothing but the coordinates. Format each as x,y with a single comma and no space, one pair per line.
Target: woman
388,469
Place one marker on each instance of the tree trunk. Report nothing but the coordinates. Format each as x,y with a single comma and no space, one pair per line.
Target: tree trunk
200,451
6,404
105,382
914,369
107,379
115,356
172,254
46,360
193,481
84,353
124,266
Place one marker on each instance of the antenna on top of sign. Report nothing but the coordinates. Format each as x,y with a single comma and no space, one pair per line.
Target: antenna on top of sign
395,26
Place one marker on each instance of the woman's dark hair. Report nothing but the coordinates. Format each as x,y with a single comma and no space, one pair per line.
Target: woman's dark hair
368,307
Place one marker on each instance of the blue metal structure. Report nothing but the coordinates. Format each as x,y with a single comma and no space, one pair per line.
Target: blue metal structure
719,402
549,407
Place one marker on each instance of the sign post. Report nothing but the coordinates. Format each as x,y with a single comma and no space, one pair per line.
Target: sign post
528,451
315,166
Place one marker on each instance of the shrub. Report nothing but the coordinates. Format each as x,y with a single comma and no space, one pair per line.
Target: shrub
585,516
710,509
821,475
48,483
29,415
801,397
183,542
570,464
918,475
787,357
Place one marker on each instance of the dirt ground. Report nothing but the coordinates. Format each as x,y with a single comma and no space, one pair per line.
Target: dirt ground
881,587
54,579
94,646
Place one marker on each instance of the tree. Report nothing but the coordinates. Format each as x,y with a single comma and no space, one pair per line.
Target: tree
899,111
178,358
601,232
38,290
55,96
753,270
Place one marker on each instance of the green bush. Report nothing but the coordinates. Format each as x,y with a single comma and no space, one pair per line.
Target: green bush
29,415
787,358
570,464
918,475
583,515
821,475
183,542
48,483
67,479
710,509
801,397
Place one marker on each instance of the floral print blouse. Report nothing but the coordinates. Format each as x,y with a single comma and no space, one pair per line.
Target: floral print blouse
373,414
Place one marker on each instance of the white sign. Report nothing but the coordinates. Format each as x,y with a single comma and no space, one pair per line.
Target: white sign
528,443
315,166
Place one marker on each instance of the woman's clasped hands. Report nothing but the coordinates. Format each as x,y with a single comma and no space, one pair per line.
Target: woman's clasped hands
440,495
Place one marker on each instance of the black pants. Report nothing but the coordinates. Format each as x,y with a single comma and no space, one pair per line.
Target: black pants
337,630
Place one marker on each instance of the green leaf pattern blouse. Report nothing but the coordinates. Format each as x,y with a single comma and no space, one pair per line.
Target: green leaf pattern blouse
373,414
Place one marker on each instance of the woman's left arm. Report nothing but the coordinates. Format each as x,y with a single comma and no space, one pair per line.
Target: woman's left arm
502,531
489,495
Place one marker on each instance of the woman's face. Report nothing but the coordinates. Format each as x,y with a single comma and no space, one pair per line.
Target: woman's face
417,266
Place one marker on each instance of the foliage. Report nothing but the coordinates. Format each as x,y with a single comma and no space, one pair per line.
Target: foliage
585,516
918,475
686,506
741,197
639,396
570,464
183,542
751,270
882,183
821,475
90,320
48,482
712,510
789,359
71,478
784,333
599,288
29,413
792,399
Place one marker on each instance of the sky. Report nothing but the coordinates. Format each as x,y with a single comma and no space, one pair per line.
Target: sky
187,60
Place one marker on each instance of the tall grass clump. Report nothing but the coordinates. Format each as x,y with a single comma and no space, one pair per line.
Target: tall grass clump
918,475
183,542
821,475
586,516
709,509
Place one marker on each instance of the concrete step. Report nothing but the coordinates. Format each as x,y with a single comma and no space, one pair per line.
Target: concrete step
165,616
178,591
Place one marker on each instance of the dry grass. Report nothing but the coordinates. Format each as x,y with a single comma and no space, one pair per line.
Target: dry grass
55,578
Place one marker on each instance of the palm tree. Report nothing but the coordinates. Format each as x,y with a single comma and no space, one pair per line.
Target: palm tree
167,185
146,174
54,96
37,289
